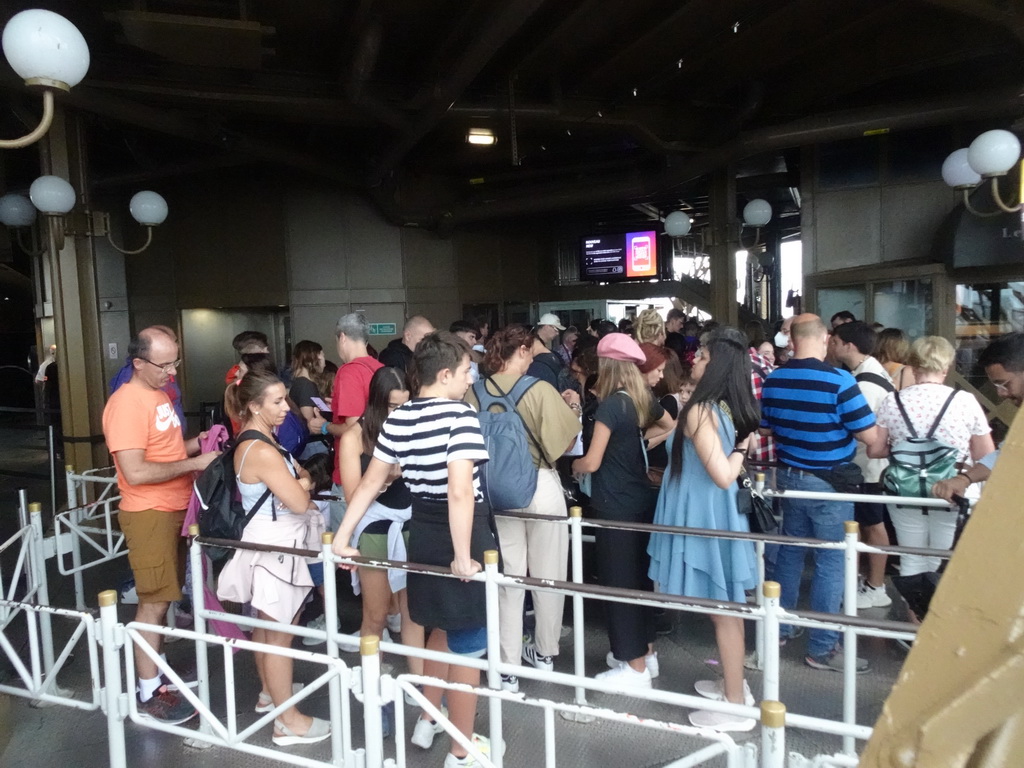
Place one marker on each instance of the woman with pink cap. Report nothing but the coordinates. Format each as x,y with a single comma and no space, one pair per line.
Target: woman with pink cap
621,491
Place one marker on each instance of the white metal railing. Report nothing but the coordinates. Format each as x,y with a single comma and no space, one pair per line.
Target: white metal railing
766,615
101,483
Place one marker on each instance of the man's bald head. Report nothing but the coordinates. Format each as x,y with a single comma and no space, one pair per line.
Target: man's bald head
416,327
810,337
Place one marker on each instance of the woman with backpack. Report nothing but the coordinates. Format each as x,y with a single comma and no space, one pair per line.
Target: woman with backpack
276,585
699,490
954,418
540,549
621,491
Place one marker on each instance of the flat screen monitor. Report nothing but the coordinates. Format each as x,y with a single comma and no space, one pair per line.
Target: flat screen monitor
621,256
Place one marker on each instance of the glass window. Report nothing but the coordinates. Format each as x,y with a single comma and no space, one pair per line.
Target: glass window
984,312
904,304
832,300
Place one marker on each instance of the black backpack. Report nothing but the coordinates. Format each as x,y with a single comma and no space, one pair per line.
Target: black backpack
221,515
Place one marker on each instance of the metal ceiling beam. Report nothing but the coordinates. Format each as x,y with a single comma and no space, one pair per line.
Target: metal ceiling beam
1008,15
813,130
508,20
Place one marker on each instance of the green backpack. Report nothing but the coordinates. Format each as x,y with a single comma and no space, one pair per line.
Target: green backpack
918,463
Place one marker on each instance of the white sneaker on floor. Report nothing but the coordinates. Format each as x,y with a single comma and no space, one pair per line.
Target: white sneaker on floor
532,657
510,683
872,597
320,625
719,721
394,623
625,675
714,689
482,743
650,661
424,732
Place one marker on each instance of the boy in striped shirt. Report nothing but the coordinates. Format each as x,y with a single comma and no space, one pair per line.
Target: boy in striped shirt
435,438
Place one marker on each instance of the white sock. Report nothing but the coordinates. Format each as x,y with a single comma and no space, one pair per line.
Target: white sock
147,688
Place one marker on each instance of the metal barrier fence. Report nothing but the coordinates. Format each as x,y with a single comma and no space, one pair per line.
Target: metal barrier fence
39,677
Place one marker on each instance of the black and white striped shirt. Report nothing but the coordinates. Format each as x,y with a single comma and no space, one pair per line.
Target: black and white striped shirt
423,436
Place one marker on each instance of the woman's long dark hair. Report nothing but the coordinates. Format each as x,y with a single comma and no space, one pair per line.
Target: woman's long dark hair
726,379
384,382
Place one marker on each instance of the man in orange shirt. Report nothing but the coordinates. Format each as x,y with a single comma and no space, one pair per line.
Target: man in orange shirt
154,474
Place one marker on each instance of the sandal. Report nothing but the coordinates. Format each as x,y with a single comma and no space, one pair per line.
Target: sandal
318,731
265,703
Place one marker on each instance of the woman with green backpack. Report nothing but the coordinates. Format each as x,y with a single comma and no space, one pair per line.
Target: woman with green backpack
927,411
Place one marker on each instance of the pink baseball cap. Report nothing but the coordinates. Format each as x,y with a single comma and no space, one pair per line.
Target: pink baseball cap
619,346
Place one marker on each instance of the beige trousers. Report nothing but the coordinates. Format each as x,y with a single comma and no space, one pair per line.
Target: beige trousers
540,550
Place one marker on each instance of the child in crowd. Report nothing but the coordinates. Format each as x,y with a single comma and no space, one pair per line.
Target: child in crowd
436,439
319,466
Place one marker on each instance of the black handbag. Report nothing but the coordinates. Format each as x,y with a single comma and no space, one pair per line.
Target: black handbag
755,506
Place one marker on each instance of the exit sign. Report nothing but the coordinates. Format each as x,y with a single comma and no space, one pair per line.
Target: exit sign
383,329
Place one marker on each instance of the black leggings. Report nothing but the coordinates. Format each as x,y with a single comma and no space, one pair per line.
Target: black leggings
622,561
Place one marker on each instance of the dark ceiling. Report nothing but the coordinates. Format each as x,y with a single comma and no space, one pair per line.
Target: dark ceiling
597,105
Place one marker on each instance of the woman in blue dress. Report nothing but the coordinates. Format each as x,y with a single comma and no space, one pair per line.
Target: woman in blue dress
706,454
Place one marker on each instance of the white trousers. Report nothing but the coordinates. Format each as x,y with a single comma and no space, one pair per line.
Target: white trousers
540,550
914,528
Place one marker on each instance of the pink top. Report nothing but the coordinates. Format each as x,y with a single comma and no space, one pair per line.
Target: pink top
963,419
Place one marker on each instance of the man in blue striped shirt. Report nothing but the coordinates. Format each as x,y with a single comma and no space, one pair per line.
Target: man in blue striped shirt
816,413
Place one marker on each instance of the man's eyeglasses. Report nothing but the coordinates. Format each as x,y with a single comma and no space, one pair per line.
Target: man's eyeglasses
165,367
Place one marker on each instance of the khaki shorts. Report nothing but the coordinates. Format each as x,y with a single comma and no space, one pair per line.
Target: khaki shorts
156,553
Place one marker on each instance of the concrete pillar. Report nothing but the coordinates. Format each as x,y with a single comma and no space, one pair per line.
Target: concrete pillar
75,305
724,244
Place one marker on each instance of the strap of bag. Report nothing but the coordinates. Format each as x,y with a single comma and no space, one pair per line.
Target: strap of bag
519,389
877,379
253,434
945,405
906,419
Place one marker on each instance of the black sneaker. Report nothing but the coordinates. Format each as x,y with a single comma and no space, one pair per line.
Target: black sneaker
187,674
167,707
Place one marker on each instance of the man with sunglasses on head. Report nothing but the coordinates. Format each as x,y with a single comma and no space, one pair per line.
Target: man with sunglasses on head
155,466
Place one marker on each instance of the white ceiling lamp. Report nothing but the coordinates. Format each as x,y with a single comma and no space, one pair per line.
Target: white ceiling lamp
18,214
677,224
55,198
757,213
990,155
483,137
47,51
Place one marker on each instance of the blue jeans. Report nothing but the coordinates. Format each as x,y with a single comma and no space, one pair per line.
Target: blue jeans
816,520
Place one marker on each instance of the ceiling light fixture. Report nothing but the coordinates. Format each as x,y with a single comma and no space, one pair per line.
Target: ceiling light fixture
47,51
757,213
55,198
990,155
481,136
677,224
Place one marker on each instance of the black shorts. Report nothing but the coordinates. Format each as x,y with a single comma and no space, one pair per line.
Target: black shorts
868,513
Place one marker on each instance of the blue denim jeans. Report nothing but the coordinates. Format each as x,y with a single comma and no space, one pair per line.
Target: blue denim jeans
817,520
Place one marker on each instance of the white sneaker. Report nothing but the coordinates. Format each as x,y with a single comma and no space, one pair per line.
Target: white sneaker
424,732
510,683
650,661
482,743
394,623
320,625
625,675
532,657
872,597
715,689
719,721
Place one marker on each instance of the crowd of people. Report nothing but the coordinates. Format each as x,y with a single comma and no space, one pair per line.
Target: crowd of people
650,420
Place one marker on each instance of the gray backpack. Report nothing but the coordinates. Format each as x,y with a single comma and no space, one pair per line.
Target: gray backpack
509,478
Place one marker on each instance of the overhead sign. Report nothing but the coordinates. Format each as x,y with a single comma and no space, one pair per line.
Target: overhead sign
383,329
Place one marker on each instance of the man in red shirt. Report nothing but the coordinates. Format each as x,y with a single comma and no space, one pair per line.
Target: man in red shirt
351,394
